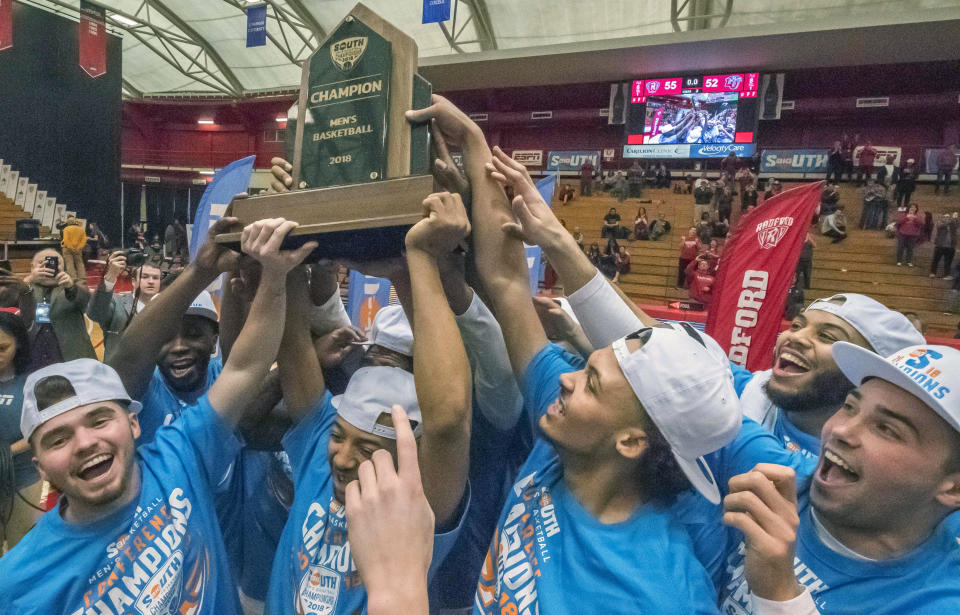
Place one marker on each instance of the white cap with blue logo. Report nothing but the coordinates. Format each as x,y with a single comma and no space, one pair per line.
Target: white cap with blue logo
930,373
686,388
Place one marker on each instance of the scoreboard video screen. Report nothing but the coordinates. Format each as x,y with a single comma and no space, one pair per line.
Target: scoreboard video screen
676,117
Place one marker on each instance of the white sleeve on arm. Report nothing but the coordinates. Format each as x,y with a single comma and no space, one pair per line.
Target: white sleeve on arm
497,393
604,316
801,605
329,316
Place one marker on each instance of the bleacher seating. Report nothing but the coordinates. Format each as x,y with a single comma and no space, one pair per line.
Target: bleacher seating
9,214
864,262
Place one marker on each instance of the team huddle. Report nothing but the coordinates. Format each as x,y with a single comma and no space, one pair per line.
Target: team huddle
467,457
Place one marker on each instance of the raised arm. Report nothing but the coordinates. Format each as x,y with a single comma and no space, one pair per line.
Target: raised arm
259,340
440,366
136,355
300,373
500,259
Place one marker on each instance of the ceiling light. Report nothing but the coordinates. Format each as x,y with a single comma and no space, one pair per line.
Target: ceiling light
281,120
124,20
205,122
206,172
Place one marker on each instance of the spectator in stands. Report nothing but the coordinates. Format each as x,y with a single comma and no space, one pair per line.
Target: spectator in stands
689,249
635,179
775,188
728,167
621,260
702,199
688,184
593,253
748,197
711,254
175,239
745,178
725,202
701,181
14,366
640,224
701,287
659,227
886,172
620,189
611,224
944,245
867,157
608,263
566,193
73,240
834,225
847,146
135,238
909,231
874,204
578,236
805,263
719,228
704,229
829,199
946,161
113,312
650,176
834,164
663,176
905,180
586,178
59,332
96,241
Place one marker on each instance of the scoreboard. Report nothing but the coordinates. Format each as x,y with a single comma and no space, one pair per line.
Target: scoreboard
745,84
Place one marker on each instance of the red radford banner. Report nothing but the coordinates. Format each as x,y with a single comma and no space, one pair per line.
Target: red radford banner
756,271
6,24
93,39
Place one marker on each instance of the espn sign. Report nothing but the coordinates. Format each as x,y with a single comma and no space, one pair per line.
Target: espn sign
528,157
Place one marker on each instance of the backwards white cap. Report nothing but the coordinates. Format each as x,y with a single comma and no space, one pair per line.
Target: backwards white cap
203,306
373,391
391,329
92,382
884,329
930,373
688,393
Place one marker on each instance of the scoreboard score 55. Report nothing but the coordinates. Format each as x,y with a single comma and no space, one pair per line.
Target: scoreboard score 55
745,84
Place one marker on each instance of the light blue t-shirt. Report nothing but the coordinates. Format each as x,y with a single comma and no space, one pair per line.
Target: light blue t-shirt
550,555
925,581
163,553
161,404
313,570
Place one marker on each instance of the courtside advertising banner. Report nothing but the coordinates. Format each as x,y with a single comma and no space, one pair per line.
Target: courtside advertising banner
528,157
572,161
756,271
6,24
93,39
794,161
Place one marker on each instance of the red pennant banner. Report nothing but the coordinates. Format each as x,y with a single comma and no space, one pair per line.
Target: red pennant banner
756,271
6,24
93,39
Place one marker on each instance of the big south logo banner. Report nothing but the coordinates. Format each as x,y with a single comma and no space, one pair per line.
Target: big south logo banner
756,271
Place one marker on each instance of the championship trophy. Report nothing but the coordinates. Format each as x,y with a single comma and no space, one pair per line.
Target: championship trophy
360,169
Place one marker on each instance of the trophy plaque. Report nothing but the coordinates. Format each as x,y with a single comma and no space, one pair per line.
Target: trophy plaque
360,169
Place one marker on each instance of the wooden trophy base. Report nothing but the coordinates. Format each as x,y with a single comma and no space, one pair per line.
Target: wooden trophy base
355,222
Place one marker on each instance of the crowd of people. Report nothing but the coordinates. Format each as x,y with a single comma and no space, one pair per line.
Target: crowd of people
479,449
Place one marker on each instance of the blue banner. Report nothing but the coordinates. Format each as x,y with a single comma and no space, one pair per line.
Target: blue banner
533,267
571,161
794,161
719,150
366,296
257,25
228,182
435,11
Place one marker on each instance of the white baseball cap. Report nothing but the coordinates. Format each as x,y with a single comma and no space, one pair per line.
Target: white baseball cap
689,395
391,329
92,382
884,329
203,306
930,373
373,391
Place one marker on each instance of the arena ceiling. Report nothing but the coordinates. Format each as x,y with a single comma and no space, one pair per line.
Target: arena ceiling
197,48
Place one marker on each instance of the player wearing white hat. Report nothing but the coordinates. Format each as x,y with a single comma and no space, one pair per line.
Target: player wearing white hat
135,528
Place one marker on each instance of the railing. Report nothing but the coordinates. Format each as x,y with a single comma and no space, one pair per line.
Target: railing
195,159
